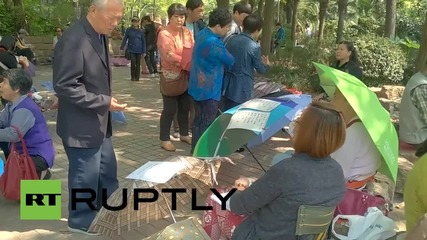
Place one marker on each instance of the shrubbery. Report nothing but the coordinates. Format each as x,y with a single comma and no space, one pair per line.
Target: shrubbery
382,60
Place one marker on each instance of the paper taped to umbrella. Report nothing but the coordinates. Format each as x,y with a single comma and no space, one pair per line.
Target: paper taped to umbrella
156,171
189,229
196,174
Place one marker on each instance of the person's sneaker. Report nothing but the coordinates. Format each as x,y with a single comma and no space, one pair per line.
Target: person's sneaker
168,146
83,231
186,139
175,134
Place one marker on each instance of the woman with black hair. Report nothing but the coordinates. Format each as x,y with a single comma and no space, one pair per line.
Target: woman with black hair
347,59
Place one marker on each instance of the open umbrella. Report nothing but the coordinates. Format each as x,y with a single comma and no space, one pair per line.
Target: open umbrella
370,111
250,123
196,174
189,229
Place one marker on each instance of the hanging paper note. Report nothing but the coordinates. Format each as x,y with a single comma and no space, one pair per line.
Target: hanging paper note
259,104
156,171
247,119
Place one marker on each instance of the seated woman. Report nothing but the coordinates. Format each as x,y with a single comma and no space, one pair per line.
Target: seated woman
309,177
23,113
23,49
347,59
415,192
358,157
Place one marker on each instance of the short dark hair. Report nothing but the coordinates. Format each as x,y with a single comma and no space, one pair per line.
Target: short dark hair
18,79
146,18
193,4
252,23
242,7
220,16
176,9
8,43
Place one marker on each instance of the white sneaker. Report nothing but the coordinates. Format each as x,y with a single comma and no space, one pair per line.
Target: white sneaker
83,231
152,75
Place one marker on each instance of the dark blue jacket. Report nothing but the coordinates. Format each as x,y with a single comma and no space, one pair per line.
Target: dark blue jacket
135,39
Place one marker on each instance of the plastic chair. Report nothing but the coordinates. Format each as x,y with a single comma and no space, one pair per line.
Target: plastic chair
314,220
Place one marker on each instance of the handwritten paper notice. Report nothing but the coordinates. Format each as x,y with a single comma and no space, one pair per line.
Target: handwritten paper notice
251,120
155,171
259,104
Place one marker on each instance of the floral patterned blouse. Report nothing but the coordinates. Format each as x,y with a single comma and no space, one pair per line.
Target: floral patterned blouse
171,42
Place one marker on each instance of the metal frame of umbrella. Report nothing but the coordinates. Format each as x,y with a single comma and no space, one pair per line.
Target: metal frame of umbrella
245,146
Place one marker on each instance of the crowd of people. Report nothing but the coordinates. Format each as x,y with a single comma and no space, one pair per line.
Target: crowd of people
206,68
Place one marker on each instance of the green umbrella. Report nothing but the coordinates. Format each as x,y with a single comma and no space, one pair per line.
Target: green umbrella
370,111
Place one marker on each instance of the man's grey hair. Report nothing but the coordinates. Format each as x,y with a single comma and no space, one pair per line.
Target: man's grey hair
102,3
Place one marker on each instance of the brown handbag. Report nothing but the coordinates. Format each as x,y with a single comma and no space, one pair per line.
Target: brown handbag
174,87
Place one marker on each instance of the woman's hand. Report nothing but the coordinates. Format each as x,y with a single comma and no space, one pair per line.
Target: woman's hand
242,183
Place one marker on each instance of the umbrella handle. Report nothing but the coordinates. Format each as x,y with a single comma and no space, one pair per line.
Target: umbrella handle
213,173
170,210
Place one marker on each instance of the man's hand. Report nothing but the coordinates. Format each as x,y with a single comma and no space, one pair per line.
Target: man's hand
115,106
265,60
24,61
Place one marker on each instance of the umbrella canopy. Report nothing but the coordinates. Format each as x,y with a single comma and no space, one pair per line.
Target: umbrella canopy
250,123
370,111
196,174
189,229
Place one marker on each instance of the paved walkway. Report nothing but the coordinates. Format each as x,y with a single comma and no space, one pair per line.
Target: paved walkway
135,143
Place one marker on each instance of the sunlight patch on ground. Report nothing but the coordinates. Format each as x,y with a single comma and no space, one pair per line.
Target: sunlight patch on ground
279,139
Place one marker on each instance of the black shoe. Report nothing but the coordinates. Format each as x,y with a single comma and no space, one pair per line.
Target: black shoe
240,150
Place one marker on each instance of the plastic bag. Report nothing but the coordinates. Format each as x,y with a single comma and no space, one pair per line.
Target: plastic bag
374,225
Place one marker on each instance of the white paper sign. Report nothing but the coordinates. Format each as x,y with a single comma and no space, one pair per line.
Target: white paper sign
156,171
259,104
247,119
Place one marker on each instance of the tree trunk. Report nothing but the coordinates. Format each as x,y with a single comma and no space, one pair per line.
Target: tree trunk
223,3
390,18
260,7
288,11
294,21
323,7
19,14
267,28
421,61
342,13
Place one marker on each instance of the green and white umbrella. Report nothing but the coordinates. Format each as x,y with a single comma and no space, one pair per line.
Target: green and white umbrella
370,111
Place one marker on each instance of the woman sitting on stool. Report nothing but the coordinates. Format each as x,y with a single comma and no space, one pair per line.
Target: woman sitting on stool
23,113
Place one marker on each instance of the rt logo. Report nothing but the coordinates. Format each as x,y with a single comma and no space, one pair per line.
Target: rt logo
40,199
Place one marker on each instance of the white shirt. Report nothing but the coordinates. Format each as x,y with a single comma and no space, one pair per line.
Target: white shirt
358,157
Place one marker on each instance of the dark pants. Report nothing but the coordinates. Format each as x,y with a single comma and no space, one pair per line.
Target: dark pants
26,52
135,66
151,61
39,162
205,113
171,105
228,103
93,168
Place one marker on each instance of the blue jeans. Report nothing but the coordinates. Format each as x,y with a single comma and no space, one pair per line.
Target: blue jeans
93,168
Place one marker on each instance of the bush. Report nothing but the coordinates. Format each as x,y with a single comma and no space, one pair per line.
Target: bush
294,65
383,61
